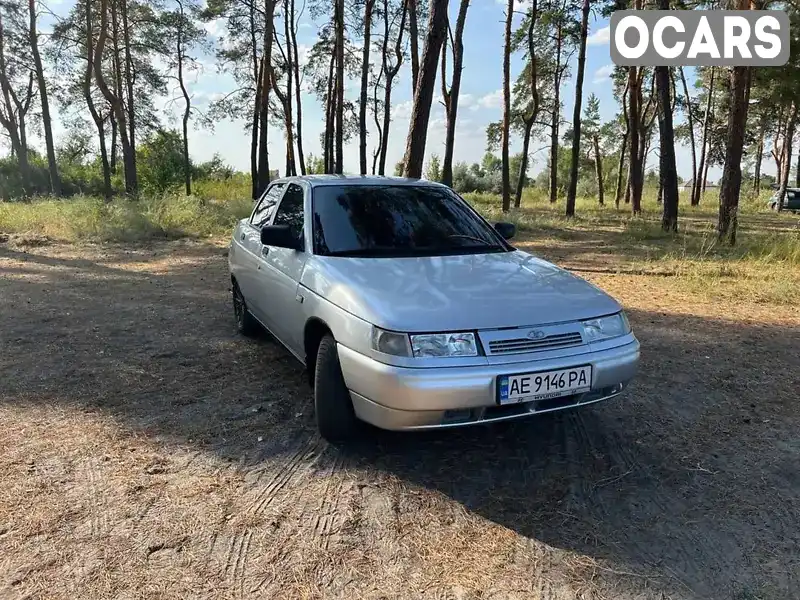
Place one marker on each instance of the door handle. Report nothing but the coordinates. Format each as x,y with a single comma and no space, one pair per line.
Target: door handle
264,250
244,235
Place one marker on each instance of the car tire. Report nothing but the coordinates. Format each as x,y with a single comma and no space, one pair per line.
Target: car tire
246,323
336,419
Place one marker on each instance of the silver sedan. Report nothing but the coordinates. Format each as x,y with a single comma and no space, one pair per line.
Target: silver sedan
410,311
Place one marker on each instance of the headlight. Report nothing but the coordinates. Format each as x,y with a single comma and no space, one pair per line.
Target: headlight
444,344
390,342
606,327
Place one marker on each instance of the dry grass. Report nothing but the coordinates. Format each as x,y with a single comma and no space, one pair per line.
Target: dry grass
148,452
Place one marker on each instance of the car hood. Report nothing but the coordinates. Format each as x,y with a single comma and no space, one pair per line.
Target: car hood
449,293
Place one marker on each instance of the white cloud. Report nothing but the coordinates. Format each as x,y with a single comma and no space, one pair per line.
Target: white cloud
305,26
214,27
599,37
303,51
465,100
402,110
519,5
603,73
492,100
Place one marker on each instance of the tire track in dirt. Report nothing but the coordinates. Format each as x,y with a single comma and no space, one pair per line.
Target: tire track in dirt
98,518
328,512
270,485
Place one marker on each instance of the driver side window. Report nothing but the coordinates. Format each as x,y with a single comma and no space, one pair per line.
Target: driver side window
266,206
290,212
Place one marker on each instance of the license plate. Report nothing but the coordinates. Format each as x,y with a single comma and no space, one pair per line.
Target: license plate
527,387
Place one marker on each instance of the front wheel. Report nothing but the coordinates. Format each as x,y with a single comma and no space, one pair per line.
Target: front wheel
336,419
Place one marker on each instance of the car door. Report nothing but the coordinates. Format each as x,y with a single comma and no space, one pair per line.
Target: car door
247,242
280,273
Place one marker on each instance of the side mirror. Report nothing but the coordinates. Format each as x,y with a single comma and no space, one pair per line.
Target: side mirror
506,230
280,236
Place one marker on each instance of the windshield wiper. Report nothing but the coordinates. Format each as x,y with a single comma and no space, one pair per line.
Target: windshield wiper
369,252
483,243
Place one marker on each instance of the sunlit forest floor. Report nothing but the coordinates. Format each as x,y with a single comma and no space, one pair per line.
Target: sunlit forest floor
147,451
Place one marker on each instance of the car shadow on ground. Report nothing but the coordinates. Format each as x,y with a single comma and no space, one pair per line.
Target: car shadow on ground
690,477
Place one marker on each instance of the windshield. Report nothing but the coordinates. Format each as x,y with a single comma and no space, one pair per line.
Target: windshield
375,221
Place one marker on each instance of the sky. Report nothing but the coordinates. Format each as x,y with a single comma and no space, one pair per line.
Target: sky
479,104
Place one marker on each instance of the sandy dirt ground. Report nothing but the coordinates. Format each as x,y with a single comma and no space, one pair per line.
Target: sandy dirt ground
147,451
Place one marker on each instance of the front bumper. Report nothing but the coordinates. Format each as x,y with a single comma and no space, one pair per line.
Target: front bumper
393,397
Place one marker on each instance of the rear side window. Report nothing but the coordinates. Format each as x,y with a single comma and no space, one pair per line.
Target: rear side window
266,206
290,211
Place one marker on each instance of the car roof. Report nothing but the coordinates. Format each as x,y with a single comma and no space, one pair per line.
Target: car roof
327,180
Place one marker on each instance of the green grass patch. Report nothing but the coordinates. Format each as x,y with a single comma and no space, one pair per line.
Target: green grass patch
90,218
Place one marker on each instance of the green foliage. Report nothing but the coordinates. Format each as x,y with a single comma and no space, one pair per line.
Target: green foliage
315,165
79,175
215,169
434,171
160,162
485,177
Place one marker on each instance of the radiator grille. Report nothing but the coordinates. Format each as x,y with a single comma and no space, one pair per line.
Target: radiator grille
550,342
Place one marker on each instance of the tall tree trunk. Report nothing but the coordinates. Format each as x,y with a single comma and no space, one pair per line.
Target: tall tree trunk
113,158
263,126
387,102
598,167
451,97
576,114
362,108
187,166
256,187
391,73
266,85
413,34
423,95
628,183
507,107
55,180
634,160
623,146
257,78
620,167
787,153
338,166
699,185
530,117
669,172
734,146
376,152
285,98
556,116
759,158
129,81
330,111
523,163
87,95
690,121
298,104
129,162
